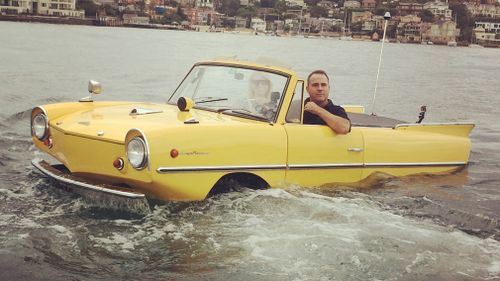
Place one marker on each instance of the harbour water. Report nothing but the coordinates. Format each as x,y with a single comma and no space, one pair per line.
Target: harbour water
417,228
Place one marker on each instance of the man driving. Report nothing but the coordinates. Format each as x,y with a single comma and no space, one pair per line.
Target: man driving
318,109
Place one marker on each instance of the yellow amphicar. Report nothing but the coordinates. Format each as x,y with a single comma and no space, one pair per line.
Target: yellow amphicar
214,132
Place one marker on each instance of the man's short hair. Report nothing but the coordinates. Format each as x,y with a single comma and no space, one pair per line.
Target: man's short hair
319,71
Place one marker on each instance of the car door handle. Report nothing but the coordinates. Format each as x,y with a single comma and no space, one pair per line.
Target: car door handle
355,149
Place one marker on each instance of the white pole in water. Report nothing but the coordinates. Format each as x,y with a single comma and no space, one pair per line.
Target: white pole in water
387,16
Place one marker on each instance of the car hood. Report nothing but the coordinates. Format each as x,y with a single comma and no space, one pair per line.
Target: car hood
112,122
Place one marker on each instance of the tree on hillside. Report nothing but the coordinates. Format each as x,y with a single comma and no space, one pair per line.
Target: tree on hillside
268,3
464,21
230,7
111,11
88,5
176,17
380,11
464,17
317,11
173,3
426,16
312,2
280,8
249,11
181,14
141,5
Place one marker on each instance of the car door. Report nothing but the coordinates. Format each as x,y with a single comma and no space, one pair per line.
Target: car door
316,155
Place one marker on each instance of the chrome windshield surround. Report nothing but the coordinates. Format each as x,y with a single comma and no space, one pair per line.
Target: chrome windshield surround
164,170
236,66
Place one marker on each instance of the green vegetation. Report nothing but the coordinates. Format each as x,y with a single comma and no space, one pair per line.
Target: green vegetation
247,12
426,16
88,5
464,21
381,10
317,11
172,18
268,3
230,7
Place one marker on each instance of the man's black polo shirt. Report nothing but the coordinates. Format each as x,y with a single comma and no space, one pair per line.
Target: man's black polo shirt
310,118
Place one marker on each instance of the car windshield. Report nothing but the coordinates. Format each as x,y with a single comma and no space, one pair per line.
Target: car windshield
244,92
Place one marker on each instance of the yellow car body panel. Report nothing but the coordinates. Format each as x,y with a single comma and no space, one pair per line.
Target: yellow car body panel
317,156
189,152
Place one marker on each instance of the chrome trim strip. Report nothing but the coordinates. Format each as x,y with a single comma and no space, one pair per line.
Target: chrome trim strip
432,124
90,137
36,162
163,170
415,164
325,166
143,111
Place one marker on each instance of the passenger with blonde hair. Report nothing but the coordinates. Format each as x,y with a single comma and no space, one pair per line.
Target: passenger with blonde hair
260,97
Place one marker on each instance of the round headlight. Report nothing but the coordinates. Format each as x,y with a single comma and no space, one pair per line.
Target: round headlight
137,153
40,126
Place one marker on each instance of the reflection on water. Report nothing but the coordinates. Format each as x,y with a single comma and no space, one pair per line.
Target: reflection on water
414,228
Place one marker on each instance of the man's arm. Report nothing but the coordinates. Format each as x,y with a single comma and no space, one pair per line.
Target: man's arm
338,124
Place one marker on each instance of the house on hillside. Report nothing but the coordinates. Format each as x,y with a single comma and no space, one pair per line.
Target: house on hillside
258,25
406,8
410,32
439,9
361,16
63,8
441,32
204,4
487,33
369,4
134,19
327,4
484,11
351,4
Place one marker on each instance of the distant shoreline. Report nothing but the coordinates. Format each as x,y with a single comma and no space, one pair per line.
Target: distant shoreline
78,21
94,22
47,19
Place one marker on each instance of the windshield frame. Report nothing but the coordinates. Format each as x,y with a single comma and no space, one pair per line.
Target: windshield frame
286,75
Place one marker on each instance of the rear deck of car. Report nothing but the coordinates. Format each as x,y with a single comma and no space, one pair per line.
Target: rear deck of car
366,120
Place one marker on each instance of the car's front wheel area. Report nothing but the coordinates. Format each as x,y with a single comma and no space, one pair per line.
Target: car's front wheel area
236,182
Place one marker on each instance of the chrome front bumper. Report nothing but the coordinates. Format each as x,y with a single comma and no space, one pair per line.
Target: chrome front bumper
112,197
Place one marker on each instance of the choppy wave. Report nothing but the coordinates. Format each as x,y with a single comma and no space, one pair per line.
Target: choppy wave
274,234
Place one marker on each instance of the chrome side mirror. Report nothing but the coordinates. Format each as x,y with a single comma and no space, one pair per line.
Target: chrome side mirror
94,89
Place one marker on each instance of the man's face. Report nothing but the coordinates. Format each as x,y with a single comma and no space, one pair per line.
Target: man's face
318,89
